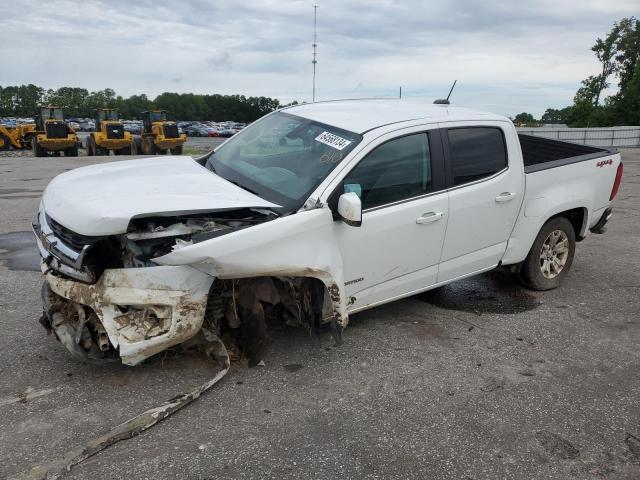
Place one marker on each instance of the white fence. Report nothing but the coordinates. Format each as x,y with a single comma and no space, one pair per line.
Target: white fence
599,137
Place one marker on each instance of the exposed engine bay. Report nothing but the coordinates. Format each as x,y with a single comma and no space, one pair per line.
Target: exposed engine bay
115,302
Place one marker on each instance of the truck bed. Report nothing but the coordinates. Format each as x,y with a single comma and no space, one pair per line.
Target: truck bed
542,153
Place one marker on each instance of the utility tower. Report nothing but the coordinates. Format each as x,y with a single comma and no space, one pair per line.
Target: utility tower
315,45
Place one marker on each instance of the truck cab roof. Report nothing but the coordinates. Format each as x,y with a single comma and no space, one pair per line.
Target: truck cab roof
361,116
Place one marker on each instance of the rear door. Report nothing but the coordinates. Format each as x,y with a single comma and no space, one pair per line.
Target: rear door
485,193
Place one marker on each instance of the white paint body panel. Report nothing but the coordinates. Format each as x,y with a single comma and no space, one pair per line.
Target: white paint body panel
549,192
479,225
101,199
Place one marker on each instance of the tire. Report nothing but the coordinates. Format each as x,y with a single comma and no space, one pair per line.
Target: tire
125,151
27,141
5,143
176,150
149,146
90,146
99,151
136,146
161,151
546,265
38,151
71,152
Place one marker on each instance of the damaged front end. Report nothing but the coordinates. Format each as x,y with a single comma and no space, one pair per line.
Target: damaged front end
113,297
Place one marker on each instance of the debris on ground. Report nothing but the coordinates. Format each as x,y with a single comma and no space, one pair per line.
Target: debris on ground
129,429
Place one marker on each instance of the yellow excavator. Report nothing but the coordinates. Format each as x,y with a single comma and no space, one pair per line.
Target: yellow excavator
158,135
53,135
108,135
18,137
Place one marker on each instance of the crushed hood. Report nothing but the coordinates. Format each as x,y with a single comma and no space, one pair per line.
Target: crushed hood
102,199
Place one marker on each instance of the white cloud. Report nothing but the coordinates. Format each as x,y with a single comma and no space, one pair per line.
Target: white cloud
508,56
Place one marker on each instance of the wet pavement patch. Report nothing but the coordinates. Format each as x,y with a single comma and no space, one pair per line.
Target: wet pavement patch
494,292
18,251
293,367
557,446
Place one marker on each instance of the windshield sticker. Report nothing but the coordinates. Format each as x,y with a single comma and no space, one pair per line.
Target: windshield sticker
332,140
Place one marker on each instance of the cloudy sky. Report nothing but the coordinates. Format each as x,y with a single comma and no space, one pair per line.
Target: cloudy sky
508,56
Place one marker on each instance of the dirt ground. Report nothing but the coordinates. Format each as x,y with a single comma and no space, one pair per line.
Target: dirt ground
479,380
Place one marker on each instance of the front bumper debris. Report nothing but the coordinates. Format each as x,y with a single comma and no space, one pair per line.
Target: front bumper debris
142,311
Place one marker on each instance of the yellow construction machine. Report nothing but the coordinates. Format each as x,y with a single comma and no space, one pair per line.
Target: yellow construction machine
18,137
53,136
108,135
158,135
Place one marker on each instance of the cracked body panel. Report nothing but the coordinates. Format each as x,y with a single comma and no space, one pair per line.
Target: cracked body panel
310,251
122,298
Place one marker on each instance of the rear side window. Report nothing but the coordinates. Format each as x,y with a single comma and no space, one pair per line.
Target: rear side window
476,153
394,171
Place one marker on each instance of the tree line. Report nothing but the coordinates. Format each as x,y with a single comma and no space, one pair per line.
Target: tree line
619,56
22,100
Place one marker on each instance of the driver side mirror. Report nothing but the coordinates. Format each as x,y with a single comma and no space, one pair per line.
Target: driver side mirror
350,209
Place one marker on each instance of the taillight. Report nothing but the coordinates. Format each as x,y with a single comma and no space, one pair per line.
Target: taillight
616,182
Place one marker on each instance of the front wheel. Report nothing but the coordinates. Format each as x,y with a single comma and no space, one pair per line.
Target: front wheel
177,150
551,255
5,143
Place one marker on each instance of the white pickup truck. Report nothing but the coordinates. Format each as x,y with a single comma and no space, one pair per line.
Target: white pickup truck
310,214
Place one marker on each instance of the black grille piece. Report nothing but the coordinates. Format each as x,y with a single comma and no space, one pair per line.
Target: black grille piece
115,131
72,239
171,130
56,130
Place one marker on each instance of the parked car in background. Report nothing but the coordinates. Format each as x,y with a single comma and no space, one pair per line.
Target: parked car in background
86,126
227,132
133,127
212,131
196,130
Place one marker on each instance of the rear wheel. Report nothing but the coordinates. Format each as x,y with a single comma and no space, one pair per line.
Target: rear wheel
176,150
125,151
90,146
5,143
551,255
38,151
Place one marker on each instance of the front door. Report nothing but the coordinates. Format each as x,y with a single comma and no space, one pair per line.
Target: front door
397,248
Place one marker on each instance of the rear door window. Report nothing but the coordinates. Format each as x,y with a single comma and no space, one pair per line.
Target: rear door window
476,153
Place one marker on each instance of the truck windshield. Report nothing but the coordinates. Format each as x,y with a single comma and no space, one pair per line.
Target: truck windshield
282,157
52,114
107,115
158,116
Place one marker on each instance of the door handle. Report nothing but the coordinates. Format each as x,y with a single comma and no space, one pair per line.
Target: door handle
429,217
505,197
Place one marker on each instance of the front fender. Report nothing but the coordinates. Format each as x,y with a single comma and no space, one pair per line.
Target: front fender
298,245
